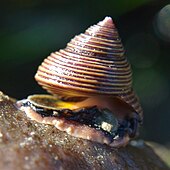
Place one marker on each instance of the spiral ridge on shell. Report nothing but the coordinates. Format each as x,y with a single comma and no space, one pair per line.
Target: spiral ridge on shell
93,63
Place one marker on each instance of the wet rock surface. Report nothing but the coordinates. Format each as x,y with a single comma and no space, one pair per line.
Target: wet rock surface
26,144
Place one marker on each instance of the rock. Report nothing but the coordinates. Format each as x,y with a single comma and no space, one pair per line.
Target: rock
26,144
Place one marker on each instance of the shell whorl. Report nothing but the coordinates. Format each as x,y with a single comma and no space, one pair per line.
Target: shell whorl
92,63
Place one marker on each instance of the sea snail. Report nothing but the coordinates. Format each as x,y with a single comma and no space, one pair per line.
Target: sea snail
91,86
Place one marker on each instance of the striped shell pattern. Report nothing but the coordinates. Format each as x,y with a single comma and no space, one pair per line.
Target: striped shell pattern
93,63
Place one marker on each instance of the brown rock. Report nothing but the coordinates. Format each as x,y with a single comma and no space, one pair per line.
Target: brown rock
26,144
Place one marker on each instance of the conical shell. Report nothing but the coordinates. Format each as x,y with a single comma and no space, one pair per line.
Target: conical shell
93,63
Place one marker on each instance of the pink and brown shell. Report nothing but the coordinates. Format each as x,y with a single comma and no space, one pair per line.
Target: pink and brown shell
93,63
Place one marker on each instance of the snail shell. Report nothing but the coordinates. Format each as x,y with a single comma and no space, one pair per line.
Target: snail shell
93,73
93,63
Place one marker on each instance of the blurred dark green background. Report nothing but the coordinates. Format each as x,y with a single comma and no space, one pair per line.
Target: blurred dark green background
31,29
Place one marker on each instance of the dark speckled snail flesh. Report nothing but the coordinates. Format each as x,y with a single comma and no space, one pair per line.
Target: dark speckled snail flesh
91,86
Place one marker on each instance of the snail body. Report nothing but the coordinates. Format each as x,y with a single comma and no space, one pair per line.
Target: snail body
91,86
